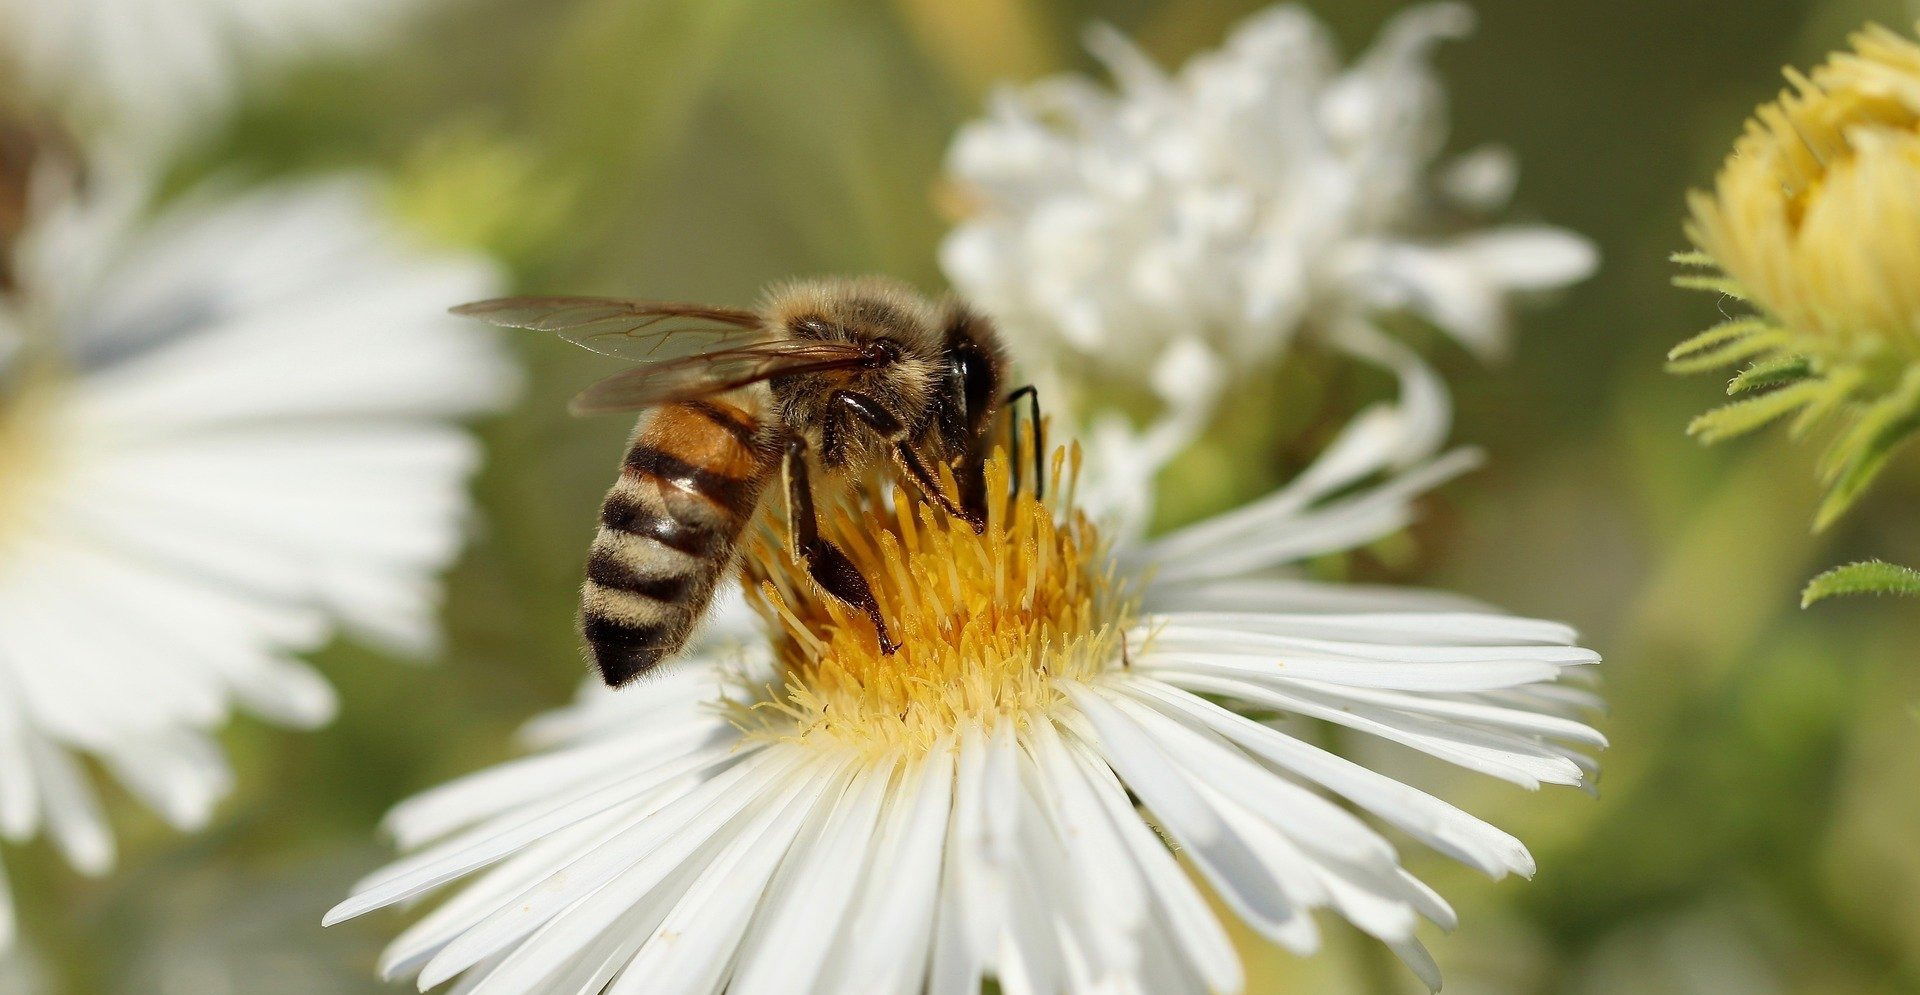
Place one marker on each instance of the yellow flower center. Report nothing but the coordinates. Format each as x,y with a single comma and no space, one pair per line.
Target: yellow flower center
988,623
1816,214
26,450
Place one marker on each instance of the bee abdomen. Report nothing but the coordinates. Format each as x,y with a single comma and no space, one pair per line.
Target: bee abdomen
690,481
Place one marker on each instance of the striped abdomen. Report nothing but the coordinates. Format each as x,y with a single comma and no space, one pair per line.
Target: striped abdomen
691,480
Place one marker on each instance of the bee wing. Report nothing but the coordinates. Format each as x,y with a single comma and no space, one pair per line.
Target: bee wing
714,373
643,331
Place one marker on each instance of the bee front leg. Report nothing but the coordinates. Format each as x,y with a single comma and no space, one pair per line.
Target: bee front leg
1032,396
878,418
826,564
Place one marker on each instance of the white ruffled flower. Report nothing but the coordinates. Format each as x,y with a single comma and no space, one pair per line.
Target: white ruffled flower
226,435
1261,193
807,815
152,67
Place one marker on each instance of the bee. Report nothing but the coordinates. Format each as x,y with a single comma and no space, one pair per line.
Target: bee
840,377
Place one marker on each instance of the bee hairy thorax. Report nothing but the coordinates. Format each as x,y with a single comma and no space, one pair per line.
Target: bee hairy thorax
690,482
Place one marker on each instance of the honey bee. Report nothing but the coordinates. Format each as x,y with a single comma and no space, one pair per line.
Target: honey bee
849,376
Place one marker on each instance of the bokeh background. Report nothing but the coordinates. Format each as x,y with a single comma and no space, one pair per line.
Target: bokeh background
1758,823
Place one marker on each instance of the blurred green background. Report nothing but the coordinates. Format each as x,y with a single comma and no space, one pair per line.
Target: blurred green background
1758,824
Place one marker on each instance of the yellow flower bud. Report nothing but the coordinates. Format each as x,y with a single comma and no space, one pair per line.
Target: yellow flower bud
1814,219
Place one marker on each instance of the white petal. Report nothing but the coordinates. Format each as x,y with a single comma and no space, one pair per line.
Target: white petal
73,815
1102,868
1482,179
1167,791
885,941
1274,531
1478,713
160,72
1251,595
486,891
179,774
254,454
1421,963
491,841
580,952
1473,675
1291,867
1530,257
19,790
1422,816
662,835
971,910
786,949
692,949
1179,906
1211,762
1339,637
1507,758
462,802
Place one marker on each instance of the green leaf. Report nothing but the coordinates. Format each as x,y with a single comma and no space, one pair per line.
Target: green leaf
1726,331
1770,373
1741,417
1754,344
1723,344
1866,577
1859,455
1840,387
1718,284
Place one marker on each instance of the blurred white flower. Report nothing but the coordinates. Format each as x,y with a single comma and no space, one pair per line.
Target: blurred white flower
155,67
811,816
226,435
1261,193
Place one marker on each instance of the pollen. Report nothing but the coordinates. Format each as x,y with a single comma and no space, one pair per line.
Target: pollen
1815,217
988,623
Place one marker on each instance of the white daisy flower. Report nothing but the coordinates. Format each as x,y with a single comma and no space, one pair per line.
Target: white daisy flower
1261,193
227,435
809,815
152,67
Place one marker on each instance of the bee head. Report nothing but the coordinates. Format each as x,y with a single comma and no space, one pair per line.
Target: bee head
902,343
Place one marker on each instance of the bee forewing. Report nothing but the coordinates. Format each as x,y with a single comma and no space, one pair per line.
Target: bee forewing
623,328
713,373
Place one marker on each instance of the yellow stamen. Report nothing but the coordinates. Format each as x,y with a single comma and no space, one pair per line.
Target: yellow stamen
987,624
1816,214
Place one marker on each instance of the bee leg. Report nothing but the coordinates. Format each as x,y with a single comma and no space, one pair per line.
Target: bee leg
1035,429
909,461
888,425
826,564
972,476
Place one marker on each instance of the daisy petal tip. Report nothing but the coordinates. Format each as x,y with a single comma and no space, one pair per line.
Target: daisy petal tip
352,908
1301,946
95,862
434,975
